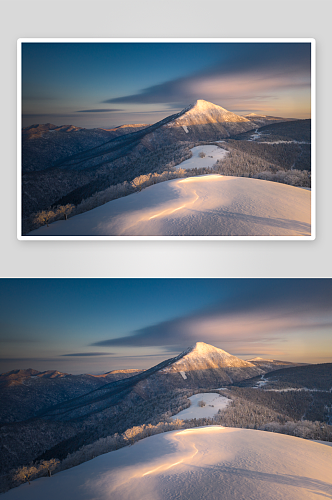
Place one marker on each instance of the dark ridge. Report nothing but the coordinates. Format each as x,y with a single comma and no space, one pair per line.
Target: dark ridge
113,145
114,390
297,130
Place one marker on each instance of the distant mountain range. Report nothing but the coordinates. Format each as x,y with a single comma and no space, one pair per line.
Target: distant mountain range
273,364
262,120
50,414
67,164
61,396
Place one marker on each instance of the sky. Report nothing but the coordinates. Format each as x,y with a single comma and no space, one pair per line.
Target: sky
110,84
98,325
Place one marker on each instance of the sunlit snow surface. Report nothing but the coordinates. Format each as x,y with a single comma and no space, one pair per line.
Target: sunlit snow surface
213,403
210,463
208,205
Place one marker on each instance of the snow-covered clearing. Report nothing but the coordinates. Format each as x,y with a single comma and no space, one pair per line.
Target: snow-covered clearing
261,382
212,155
201,463
282,142
208,205
185,128
255,136
213,403
296,389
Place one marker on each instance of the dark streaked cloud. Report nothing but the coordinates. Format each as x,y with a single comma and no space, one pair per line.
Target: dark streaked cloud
49,115
81,354
99,110
258,313
265,67
90,354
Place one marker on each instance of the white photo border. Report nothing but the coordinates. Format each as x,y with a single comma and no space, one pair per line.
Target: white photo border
20,41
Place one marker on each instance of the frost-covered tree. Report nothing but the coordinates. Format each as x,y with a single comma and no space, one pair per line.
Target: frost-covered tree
25,473
44,217
49,465
65,210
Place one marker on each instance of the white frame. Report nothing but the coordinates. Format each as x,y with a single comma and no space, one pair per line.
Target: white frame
312,41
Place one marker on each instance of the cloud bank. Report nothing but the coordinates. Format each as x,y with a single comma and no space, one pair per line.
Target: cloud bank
80,354
98,110
256,312
250,71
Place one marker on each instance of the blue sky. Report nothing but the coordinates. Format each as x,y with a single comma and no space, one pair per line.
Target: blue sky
110,84
97,325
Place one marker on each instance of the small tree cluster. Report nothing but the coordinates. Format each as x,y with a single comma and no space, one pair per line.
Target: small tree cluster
51,215
201,403
25,474
44,217
28,473
127,188
116,441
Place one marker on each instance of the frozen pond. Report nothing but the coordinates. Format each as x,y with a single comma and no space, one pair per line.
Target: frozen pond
212,155
213,403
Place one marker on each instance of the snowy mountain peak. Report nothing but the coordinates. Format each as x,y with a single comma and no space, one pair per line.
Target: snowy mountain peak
203,112
255,114
201,349
203,365
202,105
259,359
202,356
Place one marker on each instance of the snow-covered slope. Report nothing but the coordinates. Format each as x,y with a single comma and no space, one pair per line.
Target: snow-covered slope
201,112
201,365
210,463
206,362
208,121
209,205
202,356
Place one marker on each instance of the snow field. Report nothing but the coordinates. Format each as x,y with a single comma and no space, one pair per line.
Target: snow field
212,155
208,205
255,135
211,463
282,142
213,403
